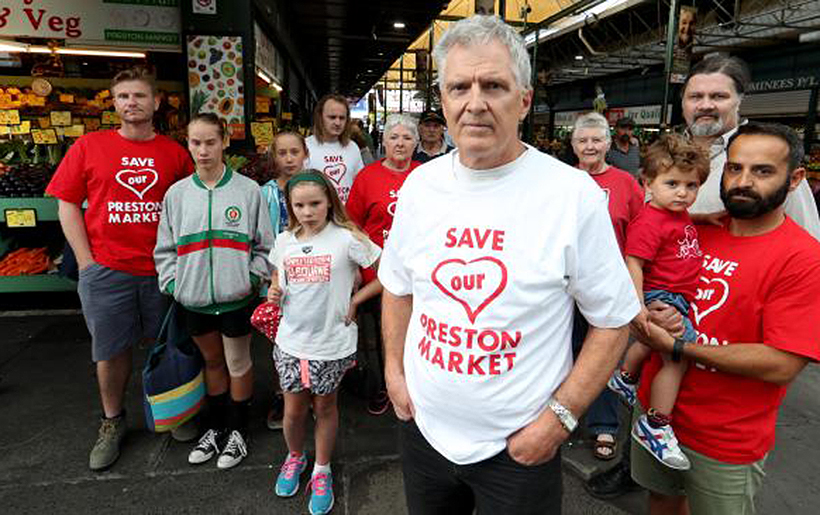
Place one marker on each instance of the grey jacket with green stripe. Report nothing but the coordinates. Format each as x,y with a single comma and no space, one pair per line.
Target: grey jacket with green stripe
213,244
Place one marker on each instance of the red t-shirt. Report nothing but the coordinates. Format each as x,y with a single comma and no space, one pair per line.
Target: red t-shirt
625,199
668,243
124,182
372,202
758,289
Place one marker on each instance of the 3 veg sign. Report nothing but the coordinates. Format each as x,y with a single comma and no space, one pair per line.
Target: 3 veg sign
132,22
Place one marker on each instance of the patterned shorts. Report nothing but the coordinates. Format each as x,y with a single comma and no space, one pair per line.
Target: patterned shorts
319,376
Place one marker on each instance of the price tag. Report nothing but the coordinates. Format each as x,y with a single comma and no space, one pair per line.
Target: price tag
60,118
21,217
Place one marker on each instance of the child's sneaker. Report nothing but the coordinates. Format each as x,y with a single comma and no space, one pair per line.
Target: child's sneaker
627,391
234,452
205,448
321,499
661,443
287,484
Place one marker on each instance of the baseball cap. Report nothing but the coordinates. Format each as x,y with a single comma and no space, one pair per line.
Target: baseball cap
432,116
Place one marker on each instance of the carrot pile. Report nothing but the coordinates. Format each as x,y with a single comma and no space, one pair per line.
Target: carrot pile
25,262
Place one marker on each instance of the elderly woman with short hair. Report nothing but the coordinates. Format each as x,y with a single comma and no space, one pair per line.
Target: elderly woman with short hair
372,204
590,142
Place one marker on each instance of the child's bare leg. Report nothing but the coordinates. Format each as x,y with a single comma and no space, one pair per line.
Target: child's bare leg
636,354
666,384
293,423
327,423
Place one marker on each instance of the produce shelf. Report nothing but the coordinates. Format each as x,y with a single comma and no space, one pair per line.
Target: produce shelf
46,207
35,283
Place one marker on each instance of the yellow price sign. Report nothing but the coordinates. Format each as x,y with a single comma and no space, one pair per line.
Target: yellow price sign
21,217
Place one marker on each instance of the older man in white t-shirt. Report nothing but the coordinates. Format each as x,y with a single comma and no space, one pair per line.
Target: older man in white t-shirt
491,247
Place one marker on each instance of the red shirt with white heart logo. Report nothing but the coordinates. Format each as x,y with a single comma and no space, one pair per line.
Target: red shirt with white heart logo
757,289
124,182
372,203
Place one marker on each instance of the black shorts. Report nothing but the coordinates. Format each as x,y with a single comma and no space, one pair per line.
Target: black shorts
232,324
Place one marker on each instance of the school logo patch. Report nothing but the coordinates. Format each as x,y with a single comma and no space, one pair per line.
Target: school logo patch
232,216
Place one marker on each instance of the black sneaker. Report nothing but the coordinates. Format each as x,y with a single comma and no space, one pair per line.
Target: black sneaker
613,483
206,448
277,411
234,452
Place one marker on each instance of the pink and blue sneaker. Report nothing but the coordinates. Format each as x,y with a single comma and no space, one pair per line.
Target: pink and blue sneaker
287,484
321,499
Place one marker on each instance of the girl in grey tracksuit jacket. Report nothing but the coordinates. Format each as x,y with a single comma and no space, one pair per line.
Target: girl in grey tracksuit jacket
212,244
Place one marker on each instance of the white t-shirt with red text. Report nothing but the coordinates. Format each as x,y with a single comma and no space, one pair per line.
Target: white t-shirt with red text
495,261
124,182
755,289
316,276
339,163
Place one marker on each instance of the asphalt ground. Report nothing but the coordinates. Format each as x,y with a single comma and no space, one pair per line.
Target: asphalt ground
49,413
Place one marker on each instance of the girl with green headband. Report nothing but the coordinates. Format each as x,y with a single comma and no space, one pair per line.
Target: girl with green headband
315,263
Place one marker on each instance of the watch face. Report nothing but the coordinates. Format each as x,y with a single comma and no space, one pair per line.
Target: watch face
41,87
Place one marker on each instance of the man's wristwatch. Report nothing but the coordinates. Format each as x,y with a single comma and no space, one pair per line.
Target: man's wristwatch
564,415
677,349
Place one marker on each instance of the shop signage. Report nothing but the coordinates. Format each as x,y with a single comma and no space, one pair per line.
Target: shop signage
134,23
204,6
784,84
642,115
215,71
267,58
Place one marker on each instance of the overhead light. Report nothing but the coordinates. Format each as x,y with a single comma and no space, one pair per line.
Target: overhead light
398,25
261,75
809,37
579,57
13,46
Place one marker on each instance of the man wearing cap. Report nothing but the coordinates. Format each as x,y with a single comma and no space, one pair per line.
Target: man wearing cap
432,144
625,152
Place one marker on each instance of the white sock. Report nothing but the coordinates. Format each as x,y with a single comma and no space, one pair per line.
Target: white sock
321,468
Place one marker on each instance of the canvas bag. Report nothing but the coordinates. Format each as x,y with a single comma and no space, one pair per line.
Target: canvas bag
173,380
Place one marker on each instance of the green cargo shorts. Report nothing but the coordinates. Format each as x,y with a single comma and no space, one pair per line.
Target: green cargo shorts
712,487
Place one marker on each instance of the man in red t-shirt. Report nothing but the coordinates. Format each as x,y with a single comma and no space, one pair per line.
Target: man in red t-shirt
123,175
755,309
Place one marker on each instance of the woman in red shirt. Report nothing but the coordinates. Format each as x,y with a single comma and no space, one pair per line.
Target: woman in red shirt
372,204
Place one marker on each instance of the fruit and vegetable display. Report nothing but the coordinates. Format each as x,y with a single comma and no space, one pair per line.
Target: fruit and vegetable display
25,261
25,168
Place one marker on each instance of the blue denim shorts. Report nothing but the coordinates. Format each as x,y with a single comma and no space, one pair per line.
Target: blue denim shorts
678,301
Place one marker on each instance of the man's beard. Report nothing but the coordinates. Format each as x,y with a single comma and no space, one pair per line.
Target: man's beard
706,129
624,138
748,209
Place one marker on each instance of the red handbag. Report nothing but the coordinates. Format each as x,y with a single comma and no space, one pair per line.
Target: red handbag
266,318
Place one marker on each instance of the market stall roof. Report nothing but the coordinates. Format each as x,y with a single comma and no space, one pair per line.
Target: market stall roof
615,36
350,43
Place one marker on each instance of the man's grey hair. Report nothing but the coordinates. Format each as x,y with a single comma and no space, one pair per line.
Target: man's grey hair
592,121
402,120
480,30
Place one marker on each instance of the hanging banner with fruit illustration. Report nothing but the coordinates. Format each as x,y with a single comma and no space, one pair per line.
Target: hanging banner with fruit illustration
215,79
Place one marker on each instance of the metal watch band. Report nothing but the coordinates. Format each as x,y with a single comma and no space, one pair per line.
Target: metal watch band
564,415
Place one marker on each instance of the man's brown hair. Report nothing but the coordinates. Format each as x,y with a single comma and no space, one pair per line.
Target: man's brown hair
319,123
136,73
674,150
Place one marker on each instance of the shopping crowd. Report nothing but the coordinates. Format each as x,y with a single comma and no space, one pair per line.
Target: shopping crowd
506,284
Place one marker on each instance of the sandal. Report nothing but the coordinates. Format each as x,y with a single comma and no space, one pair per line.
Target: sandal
605,447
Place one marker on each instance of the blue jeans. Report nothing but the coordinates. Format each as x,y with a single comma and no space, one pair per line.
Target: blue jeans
602,415
677,301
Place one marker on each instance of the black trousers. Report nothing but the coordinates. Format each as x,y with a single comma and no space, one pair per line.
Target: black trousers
496,486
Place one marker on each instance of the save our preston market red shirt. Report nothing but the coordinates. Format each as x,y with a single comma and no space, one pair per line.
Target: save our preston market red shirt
124,182
759,289
372,203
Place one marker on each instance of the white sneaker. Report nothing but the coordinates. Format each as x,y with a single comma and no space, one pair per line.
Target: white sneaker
234,452
205,448
661,443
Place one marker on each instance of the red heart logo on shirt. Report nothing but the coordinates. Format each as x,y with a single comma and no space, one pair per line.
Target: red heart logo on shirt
473,284
709,298
336,172
137,181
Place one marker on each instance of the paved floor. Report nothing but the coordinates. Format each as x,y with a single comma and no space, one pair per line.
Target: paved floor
48,405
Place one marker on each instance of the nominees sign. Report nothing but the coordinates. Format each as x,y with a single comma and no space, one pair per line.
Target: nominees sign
134,23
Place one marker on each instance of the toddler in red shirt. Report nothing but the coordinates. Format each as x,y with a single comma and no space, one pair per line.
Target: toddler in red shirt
664,260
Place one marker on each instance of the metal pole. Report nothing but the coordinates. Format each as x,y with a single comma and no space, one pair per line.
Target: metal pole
671,32
429,100
534,80
502,9
401,84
